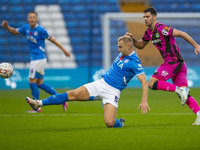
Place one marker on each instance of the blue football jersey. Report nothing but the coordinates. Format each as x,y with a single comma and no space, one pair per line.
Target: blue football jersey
123,70
36,40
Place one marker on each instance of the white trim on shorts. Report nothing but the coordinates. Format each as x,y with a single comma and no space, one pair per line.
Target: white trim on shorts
101,90
37,65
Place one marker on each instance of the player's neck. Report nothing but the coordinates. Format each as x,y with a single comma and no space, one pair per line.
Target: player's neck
131,51
153,25
33,26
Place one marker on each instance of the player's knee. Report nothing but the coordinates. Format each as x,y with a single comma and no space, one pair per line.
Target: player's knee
72,95
153,85
110,123
150,85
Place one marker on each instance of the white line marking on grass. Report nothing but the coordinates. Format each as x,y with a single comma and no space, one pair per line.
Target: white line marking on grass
129,114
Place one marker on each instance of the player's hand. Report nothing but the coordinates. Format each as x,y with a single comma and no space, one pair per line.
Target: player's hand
4,24
129,34
197,50
144,106
67,54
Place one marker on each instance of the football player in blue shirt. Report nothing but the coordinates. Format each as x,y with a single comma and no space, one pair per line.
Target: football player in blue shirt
36,36
109,87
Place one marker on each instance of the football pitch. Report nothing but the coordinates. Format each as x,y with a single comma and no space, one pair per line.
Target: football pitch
168,125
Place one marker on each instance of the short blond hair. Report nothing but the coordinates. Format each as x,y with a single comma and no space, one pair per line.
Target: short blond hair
125,39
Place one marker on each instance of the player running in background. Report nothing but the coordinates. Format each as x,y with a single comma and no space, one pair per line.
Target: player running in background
36,36
124,68
174,67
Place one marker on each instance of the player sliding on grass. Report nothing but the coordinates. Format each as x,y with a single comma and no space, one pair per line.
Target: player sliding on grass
174,66
36,36
109,88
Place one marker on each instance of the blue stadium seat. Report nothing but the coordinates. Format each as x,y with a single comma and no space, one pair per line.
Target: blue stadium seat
15,2
64,2
26,58
79,8
17,9
5,58
4,8
3,2
3,41
28,8
17,58
28,1
81,57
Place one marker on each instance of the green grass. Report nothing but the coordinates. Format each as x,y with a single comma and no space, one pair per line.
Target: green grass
167,126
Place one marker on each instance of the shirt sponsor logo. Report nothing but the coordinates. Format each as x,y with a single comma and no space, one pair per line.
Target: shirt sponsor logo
164,73
32,39
156,41
119,62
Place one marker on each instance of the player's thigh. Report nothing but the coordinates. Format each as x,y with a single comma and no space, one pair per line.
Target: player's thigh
110,112
34,80
165,71
37,68
80,93
180,79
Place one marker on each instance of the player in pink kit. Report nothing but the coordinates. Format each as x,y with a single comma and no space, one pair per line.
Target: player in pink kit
174,67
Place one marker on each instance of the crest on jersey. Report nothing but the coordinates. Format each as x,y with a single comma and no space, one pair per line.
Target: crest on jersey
125,61
35,33
157,35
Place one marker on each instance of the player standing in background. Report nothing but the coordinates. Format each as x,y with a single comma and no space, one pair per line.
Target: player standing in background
36,36
109,88
174,67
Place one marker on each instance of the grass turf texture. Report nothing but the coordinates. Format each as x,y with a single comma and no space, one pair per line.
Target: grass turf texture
167,126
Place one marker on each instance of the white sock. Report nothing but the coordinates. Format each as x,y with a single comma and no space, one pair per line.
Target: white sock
198,114
39,103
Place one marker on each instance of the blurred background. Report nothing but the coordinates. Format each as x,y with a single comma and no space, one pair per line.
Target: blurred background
78,25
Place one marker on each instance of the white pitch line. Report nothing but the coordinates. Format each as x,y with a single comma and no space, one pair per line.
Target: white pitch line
129,114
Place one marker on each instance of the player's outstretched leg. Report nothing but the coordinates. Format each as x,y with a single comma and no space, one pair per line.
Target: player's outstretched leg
52,100
49,89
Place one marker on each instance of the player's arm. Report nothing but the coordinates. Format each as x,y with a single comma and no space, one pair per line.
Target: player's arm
9,28
140,44
186,37
144,104
53,40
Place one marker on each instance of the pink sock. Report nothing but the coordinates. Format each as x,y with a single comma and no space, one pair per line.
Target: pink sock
192,103
166,86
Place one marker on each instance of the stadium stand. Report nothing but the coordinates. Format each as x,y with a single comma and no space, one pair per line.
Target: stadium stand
82,19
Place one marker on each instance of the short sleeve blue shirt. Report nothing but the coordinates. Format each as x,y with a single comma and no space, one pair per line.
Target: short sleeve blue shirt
123,70
36,40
